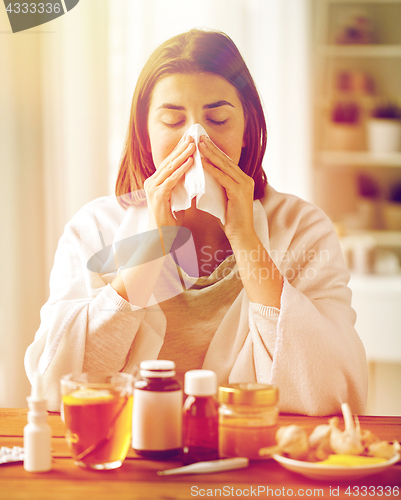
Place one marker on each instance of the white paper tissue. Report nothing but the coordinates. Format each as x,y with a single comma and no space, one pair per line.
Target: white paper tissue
199,184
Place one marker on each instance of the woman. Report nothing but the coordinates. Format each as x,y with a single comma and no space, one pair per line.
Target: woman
271,303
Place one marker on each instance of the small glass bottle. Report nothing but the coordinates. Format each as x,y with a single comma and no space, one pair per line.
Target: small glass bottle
200,417
248,419
157,414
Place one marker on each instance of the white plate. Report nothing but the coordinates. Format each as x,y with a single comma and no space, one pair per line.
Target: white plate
318,471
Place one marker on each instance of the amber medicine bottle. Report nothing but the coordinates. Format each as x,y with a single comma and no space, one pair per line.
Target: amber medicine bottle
200,417
157,414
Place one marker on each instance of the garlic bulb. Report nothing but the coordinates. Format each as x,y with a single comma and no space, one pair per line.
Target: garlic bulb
368,438
327,439
320,434
347,442
292,440
319,442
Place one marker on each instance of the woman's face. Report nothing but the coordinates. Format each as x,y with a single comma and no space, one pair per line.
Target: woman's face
181,100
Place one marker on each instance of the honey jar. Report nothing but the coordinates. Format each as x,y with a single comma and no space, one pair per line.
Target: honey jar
248,419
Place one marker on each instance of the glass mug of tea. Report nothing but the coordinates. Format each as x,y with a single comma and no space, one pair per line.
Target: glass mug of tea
97,411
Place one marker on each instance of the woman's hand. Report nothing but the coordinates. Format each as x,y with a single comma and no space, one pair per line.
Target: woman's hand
239,189
261,278
158,186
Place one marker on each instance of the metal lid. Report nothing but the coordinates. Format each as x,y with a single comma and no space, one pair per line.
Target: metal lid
157,368
248,394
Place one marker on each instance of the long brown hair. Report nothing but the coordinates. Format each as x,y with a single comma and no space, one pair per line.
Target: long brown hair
196,51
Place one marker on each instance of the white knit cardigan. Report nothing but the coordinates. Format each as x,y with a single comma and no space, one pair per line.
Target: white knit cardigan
308,349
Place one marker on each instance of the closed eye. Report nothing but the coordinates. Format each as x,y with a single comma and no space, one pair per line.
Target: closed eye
215,122
172,125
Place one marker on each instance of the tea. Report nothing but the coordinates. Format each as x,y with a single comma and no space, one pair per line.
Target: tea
98,423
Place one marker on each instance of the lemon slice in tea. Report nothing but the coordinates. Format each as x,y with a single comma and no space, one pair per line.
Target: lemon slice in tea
88,397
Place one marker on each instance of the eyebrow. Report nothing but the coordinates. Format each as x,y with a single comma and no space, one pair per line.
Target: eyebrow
212,105
217,105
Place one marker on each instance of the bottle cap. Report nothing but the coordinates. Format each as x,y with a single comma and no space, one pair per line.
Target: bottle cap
157,368
248,393
200,383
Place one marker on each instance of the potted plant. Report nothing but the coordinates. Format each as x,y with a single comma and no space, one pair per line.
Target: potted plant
392,209
344,131
384,129
356,28
368,202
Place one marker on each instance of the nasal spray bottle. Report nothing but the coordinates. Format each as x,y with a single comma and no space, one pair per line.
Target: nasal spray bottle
37,433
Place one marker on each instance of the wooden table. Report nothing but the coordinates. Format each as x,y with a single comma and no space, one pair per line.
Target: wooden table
137,478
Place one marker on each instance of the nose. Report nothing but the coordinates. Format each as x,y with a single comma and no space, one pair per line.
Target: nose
197,131
202,122
195,116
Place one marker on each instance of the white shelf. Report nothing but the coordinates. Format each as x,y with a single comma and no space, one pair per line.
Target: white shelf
332,50
358,158
376,283
364,1
376,300
383,238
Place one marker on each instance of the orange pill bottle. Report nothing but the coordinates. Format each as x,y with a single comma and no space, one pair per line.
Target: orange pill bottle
248,419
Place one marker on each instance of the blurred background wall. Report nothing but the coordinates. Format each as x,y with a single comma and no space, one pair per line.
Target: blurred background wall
54,159
65,95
